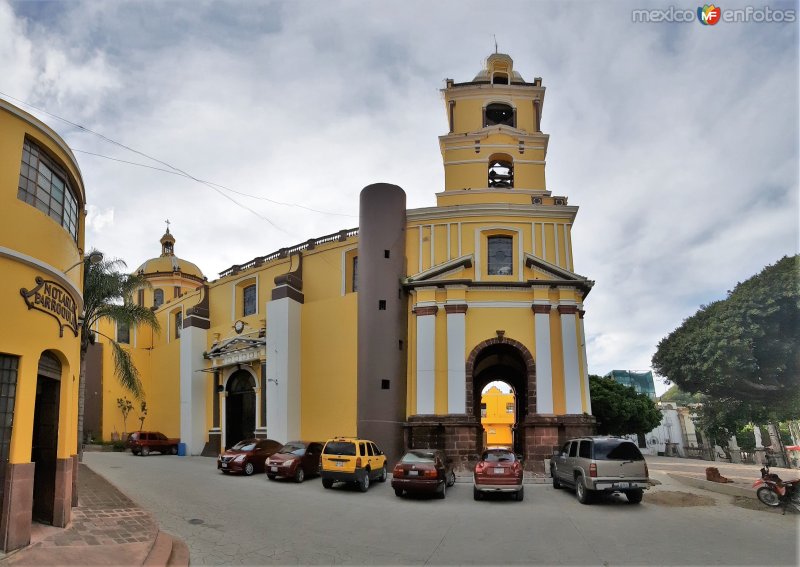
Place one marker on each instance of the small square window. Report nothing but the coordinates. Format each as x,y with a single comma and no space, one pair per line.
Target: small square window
384,384
382,304
400,344
385,253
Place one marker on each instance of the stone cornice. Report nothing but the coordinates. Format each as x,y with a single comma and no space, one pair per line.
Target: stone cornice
491,210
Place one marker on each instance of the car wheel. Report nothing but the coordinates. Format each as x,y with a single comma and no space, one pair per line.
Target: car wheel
383,476
145,451
173,450
584,494
476,494
300,475
634,496
363,484
327,483
451,480
398,492
440,494
249,469
270,476
556,482
520,494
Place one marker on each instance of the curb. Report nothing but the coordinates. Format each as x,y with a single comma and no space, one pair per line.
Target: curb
167,550
728,489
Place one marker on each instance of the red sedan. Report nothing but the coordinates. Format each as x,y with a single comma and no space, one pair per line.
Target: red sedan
247,456
423,471
499,470
296,459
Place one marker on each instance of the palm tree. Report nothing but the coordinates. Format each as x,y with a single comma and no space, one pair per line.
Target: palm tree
108,294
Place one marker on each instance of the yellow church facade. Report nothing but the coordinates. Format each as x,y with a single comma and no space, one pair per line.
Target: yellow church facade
498,411
391,330
42,203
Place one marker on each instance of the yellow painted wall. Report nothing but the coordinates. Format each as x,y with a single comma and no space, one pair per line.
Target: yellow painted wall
498,421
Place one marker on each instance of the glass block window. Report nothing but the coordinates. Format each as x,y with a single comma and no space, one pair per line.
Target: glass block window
501,261
124,334
45,185
249,300
8,395
355,273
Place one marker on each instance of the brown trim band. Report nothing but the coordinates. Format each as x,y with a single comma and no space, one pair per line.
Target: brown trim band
567,309
456,308
537,308
426,310
287,291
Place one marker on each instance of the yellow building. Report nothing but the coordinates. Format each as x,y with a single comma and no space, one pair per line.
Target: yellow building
391,330
497,417
42,205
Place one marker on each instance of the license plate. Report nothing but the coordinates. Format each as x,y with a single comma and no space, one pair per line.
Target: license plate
623,484
499,470
274,469
339,464
413,473
224,465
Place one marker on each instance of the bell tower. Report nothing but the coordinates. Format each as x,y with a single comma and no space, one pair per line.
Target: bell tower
495,150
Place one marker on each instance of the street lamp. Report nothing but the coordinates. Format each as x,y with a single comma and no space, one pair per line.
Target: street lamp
94,258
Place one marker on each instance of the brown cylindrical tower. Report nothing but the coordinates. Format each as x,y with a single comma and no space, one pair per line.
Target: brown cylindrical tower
382,317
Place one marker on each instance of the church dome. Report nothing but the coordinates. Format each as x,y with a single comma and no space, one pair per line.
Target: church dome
168,262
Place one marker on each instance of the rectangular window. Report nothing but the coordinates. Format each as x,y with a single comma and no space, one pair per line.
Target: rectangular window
355,273
140,297
158,298
573,449
249,300
585,450
509,408
123,334
386,254
483,410
176,292
44,184
178,324
384,384
8,395
501,261
382,304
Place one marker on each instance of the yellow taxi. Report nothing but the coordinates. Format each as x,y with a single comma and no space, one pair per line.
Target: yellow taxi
349,459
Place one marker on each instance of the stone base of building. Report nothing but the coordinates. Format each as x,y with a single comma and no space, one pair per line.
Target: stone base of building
62,507
461,436
75,461
213,446
17,512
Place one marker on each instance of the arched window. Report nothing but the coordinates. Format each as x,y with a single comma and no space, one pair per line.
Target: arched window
249,300
501,173
499,113
501,260
499,79
158,298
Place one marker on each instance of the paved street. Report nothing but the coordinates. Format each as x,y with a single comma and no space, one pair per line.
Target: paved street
236,520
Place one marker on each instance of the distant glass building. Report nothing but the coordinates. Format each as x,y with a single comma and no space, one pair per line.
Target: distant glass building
641,381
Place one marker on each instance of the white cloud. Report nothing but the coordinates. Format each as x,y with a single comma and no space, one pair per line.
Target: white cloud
97,220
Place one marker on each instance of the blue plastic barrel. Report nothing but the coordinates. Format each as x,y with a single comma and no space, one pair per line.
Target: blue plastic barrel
181,449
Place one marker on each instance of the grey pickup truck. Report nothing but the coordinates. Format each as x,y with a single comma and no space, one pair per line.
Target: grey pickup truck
600,464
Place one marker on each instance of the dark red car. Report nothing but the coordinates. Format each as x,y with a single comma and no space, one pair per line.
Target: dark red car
296,459
499,470
247,456
423,471
145,442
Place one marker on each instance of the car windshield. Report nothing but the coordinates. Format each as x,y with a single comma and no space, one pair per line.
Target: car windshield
244,446
344,448
613,450
293,449
417,458
498,457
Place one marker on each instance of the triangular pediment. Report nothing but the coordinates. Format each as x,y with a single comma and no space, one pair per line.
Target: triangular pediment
550,271
234,344
443,270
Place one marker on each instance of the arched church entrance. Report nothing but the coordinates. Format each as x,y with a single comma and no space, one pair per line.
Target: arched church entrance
44,447
240,407
498,414
510,362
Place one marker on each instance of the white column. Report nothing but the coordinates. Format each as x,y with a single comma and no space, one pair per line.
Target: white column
193,389
757,434
585,376
283,369
426,358
544,365
456,357
569,342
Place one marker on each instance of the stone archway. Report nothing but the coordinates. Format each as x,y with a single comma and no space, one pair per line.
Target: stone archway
529,403
240,407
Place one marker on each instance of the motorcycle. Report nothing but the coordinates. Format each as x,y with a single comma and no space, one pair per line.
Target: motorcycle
774,492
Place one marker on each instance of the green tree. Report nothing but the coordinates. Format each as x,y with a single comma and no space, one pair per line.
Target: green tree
107,294
678,396
742,352
620,410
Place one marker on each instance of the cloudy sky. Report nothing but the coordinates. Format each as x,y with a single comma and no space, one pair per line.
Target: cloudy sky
678,141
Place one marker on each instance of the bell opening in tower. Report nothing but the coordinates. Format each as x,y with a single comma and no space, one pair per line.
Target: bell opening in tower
501,174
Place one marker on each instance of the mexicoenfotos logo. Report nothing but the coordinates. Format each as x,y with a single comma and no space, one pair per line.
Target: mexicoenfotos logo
709,15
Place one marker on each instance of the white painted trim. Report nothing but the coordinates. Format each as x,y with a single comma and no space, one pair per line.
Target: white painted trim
426,363
420,247
283,349
498,146
51,271
567,259
344,267
544,364
558,252
193,389
449,255
568,233
433,249
572,377
459,241
585,369
516,161
456,362
544,242
479,236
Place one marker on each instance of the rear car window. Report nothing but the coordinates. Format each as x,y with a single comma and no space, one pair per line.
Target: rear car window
244,446
585,450
294,449
498,456
343,448
573,449
613,450
417,458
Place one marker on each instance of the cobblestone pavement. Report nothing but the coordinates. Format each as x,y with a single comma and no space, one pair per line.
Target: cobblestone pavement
107,528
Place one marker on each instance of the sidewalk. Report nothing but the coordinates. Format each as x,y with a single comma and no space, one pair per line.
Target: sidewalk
107,528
